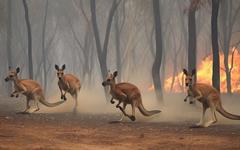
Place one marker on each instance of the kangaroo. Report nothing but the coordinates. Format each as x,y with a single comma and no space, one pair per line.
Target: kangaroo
68,83
189,92
30,88
126,93
209,97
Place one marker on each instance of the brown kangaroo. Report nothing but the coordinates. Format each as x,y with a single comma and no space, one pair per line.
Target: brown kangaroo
30,88
68,83
126,93
209,97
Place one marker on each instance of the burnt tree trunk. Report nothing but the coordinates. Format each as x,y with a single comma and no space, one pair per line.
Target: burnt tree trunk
192,42
158,57
29,36
215,47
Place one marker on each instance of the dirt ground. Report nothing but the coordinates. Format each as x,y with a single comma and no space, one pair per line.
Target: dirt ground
65,131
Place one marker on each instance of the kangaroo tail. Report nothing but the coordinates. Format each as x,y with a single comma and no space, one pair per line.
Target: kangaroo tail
146,112
227,114
44,102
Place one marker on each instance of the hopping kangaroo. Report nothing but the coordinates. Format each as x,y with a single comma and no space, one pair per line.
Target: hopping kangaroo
68,83
126,93
30,88
209,97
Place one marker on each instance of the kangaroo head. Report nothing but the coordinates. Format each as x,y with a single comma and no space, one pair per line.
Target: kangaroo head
110,79
60,72
189,76
12,74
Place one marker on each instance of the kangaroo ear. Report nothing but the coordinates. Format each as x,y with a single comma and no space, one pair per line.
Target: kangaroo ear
185,71
193,72
115,74
56,67
63,67
18,70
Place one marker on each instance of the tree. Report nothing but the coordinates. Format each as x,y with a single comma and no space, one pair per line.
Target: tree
192,38
228,19
215,47
158,57
102,51
9,38
29,36
44,56
9,34
85,46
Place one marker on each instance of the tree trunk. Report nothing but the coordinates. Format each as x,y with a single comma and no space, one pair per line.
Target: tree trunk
117,39
215,48
158,58
9,34
43,47
9,39
102,52
29,34
192,42
227,31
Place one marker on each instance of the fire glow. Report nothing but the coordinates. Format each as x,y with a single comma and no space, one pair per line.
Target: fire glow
204,74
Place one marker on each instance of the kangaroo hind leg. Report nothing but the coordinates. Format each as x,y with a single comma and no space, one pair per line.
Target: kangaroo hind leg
214,117
202,119
75,97
122,115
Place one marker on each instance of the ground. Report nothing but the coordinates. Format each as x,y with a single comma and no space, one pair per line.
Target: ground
65,131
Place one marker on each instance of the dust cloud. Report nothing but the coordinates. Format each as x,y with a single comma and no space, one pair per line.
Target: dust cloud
174,109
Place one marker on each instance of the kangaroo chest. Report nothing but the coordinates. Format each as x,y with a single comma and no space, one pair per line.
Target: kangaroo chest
63,85
119,96
194,93
20,88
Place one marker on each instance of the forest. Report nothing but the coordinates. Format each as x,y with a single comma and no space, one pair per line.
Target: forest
148,40
148,43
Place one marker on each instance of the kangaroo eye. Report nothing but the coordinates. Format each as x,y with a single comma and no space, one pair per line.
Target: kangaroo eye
108,80
11,76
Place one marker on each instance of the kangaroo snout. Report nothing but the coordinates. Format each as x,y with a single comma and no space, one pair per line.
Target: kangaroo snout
103,84
6,79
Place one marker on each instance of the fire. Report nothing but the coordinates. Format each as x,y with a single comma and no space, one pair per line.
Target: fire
204,74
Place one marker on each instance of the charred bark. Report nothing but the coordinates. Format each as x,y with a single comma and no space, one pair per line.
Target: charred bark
215,47
192,42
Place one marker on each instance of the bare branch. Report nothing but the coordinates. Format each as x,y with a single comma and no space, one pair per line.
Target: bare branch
234,49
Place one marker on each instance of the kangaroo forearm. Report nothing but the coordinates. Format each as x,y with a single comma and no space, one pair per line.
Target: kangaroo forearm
199,96
14,92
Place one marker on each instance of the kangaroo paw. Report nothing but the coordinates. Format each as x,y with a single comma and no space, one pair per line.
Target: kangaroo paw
36,110
112,102
133,118
196,126
64,98
207,124
185,100
16,95
23,112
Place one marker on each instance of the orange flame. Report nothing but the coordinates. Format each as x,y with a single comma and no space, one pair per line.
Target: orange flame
204,74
